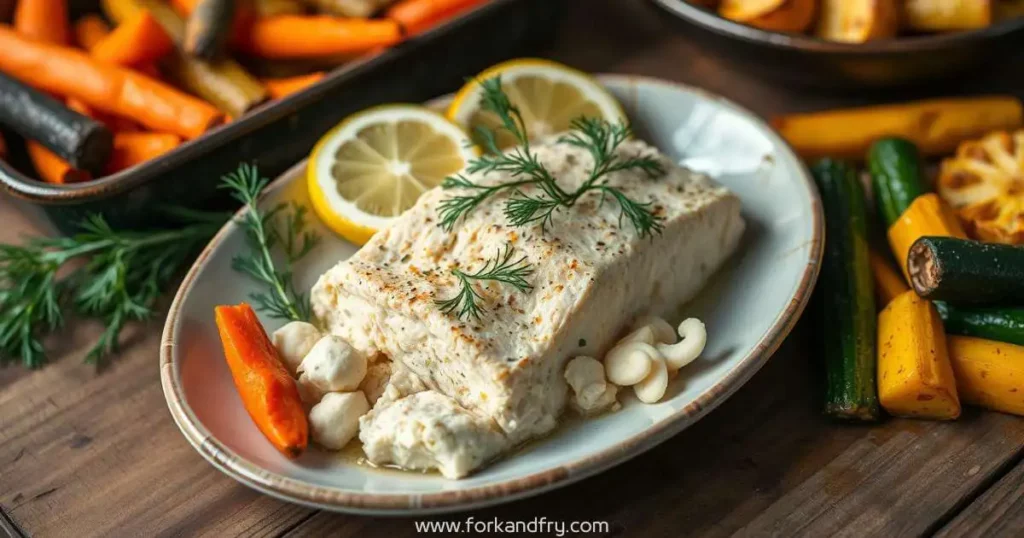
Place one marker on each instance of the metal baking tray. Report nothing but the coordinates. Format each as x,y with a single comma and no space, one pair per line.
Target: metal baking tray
280,133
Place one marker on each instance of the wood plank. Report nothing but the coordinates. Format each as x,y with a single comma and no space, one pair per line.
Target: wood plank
89,454
997,513
768,464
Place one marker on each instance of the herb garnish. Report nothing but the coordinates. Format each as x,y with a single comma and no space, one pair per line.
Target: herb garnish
499,269
283,225
599,137
120,281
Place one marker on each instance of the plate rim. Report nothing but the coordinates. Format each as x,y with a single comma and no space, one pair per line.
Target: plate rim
328,498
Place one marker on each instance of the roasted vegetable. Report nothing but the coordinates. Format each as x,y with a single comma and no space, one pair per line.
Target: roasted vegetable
927,215
283,87
110,88
857,21
349,8
915,378
299,36
773,15
138,41
935,127
896,176
222,82
268,392
846,290
131,149
1002,324
984,182
43,20
90,30
888,283
208,28
80,140
1009,9
988,374
966,272
947,15
51,168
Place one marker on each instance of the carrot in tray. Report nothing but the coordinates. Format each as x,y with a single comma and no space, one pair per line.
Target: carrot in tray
349,8
268,392
138,41
417,16
106,87
296,36
51,168
222,82
45,20
283,87
116,124
208,27
90,30
131,149
81,140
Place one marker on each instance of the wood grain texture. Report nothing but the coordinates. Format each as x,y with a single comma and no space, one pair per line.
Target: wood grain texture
997,513
96,454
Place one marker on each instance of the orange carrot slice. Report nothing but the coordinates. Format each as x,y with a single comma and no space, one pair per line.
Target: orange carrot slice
140,40
89,30
45,20
283,87
418,16
270,395
302,36
131,149
51,168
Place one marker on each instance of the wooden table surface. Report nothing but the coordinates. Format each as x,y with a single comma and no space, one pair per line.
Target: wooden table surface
96,454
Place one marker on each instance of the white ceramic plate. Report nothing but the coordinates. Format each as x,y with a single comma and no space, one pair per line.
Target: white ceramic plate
748,308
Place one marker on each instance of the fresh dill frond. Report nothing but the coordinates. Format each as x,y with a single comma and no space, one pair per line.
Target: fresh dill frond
600,138
501,269
283,226
120,281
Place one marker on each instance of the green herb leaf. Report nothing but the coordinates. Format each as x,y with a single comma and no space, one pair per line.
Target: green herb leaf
282,227
498,269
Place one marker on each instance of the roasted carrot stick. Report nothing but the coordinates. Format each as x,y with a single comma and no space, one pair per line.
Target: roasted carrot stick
131,149
268,392
208,28
51,168
282,87
297,36
109,88
417,16
140,40
45,20
89,30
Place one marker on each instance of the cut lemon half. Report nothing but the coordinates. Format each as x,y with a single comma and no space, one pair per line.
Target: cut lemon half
375,164
549,96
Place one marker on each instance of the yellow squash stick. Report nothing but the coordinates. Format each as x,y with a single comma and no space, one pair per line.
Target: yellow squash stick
935,126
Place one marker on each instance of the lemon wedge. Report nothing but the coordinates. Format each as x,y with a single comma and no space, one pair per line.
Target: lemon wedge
375,164
549,96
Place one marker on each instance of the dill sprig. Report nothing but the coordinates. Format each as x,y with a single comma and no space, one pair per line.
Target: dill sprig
119,281
498,269
282,226
600,138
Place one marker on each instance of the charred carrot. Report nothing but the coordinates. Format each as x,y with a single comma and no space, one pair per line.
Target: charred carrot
131,149
417,16
106,87
268,392
81,140
208,27
297,36
89,30
139,41
45,20
51,168
283,87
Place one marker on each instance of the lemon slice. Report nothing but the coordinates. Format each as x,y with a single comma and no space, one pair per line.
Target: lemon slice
549,96
375,164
